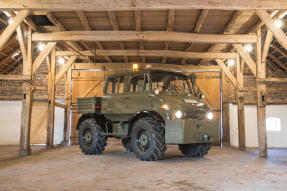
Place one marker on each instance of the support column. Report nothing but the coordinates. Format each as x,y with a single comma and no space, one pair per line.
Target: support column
27,99
240,106
68,103
51,101
261,98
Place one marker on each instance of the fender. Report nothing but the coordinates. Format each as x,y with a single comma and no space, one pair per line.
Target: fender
99,118
145,113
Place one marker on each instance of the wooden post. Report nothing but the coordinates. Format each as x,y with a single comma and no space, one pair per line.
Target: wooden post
68,103
240,106
226,127
51,101
261,98
27,100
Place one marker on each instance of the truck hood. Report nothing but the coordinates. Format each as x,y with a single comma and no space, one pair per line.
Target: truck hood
181,101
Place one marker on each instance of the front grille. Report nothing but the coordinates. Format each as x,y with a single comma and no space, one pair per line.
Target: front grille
194,114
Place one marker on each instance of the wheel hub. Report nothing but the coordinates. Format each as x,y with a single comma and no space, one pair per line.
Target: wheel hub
87,138
143,141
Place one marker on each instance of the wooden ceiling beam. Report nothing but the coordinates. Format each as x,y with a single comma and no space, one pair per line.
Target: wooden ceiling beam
64,69
128,66
169,26
138,24
282,52
227,72
198,25
87,27
278,62
114,23
144,36
277,32
152,53
10,29
107,5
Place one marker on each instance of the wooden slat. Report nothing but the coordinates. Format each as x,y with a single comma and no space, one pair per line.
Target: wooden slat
107,5
154,53
246,57
64,69
10,29
144,36
278,62
42,56
282,52
57,104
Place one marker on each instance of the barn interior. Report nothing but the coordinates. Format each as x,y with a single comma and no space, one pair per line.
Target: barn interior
52,53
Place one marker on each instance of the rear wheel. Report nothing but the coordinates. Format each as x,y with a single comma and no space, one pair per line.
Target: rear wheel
194,150
147,139
90,137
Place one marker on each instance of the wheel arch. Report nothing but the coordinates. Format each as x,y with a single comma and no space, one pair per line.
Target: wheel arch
100,119
146,113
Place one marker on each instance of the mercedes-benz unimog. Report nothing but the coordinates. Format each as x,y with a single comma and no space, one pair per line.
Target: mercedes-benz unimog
147,110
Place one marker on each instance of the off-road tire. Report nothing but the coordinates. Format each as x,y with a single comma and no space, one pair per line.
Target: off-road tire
127,144
97,142
194,150
154,133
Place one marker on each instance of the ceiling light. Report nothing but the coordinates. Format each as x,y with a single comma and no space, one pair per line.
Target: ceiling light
10,21
61,60
231,62
278,23
41,47
135,66
248,47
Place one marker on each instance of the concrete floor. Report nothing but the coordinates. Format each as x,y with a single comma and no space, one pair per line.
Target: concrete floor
66,168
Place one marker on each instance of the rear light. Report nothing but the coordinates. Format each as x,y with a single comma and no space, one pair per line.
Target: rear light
98,107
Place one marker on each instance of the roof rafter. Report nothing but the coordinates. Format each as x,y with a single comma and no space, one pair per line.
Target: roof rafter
170,23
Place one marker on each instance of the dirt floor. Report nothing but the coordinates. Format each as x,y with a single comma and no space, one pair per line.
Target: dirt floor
66,168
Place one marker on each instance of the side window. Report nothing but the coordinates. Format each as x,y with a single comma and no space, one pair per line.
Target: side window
115,85
138,83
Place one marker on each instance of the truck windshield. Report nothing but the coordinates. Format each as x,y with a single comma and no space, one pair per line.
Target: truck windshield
170,82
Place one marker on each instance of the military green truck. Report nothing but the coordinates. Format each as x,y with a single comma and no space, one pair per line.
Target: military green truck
147,110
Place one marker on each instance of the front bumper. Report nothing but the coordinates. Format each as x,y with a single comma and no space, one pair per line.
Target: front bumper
187,131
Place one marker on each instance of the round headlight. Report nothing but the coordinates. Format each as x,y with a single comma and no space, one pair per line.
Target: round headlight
209,116
178,114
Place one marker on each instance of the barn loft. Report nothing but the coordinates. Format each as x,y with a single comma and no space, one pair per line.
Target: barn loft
53,52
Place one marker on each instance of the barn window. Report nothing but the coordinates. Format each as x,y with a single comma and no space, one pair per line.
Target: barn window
273,124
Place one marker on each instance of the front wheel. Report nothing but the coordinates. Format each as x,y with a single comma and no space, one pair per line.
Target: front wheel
147,139
90,137
194,150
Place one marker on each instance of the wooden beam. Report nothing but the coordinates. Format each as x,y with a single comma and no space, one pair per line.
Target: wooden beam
64,69
42,56
115,26
261,99
138,23
107,5
227,72
268,40
10,29
51,101
144,36
198,25
68,104
169,26
278,62
277,32
152,53
282,52
15,77
87,27
27,101
246,57
124,66
57,104
279,80
21,42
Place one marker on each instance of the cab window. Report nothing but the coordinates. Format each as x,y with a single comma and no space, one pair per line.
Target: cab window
115,85
138,83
